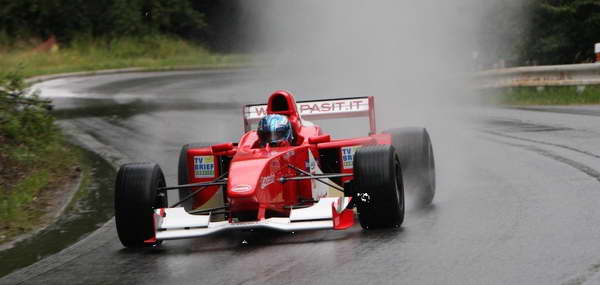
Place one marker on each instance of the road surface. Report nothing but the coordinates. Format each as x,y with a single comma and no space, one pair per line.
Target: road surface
517,197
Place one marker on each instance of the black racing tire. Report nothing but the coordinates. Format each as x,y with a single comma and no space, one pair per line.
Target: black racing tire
414,149
183,175
379,191
136,198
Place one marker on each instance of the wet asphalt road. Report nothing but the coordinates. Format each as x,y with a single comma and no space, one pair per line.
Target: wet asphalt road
517,198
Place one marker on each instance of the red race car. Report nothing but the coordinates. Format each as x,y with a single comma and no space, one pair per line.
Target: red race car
286,175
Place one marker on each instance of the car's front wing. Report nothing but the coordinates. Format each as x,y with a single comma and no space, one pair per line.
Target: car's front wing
328,213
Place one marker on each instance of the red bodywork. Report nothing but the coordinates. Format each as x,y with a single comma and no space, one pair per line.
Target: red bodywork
254,190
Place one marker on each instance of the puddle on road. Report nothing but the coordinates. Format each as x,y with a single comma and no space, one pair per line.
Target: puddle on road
91,208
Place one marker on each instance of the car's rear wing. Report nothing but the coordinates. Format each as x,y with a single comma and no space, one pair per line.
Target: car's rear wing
321,109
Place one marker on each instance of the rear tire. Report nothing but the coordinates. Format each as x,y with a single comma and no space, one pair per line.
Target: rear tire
379,191
414,149
183,175
136,198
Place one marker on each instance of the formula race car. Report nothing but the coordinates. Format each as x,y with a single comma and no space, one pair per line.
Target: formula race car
287,175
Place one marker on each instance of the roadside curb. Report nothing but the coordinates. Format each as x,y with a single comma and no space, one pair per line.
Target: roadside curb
224,68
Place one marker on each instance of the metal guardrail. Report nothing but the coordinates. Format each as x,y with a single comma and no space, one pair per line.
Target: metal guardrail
553,75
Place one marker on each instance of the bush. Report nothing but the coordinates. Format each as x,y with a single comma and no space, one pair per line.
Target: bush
24,116
35,160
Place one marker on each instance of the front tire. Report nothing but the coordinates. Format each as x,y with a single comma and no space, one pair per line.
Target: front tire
379,191
136,198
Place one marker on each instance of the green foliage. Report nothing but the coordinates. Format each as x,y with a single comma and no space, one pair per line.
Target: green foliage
24,117
33,155
539,32
167,15
68,19
87,54
557,95
11,206
153,46
28,182
563,31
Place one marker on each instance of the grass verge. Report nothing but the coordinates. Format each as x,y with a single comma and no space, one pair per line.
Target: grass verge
152,52
31,179
554,95
35,160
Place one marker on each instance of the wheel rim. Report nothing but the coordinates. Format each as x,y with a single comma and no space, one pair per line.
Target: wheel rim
160,201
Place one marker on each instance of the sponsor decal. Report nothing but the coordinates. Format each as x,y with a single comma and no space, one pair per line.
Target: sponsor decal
266,181
333,107
241,188
204,166
348,156
316,108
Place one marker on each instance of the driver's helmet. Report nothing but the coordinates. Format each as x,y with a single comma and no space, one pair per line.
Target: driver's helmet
274,129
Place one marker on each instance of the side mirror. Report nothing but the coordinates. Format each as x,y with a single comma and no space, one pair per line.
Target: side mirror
222,147
319,139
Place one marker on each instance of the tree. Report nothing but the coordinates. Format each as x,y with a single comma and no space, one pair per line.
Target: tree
68,19
563,31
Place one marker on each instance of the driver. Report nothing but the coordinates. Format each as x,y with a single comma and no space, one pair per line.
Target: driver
275,131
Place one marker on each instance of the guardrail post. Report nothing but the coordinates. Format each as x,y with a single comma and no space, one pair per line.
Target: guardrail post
597,51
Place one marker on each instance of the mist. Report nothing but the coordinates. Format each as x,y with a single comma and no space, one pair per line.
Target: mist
414,57
410,56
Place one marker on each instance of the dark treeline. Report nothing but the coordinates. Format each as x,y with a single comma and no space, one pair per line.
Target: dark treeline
212,22
541,32
521,32
562,31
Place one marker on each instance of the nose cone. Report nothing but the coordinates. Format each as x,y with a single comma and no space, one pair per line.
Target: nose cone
244,177
242,186
253,179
